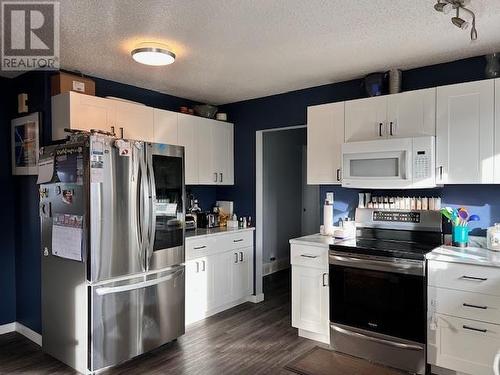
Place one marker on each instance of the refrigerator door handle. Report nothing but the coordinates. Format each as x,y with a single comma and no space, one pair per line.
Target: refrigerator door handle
144,215
143,284
152,212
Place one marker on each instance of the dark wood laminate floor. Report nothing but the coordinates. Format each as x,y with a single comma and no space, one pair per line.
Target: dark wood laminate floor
248,339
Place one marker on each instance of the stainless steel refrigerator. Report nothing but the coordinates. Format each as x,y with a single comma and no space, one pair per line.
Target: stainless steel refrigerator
113,278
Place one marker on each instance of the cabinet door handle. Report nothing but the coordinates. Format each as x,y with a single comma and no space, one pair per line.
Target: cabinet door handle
197,267
380,129
199,247
390,129
121,133
475,306
203,263
215,176
238,240
475,329
309,256
325,283
472,278
221,177
338,174
241,256
113,130
235,257
441,172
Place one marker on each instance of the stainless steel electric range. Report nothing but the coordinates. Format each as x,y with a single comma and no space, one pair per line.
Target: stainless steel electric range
378,287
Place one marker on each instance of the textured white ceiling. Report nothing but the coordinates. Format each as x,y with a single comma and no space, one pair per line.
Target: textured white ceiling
230,50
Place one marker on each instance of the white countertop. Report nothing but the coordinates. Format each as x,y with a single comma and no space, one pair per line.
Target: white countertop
314,240
469,255
205,232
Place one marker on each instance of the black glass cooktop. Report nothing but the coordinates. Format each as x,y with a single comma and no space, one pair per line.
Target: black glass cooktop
390,243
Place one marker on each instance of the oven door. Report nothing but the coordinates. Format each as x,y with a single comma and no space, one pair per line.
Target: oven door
377,164
385,298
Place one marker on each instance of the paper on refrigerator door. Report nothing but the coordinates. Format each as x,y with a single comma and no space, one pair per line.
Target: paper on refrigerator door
45,170
67,236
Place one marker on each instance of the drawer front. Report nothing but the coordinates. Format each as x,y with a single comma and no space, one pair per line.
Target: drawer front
466,277
233,241
463,345
309,256
466,305
199,247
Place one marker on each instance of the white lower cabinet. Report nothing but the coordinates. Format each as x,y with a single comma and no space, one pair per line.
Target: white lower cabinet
463,333
310,292
217,278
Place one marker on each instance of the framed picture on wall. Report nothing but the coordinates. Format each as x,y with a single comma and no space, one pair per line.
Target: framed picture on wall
25,132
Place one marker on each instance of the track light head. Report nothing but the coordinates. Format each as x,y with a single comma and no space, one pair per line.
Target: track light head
443,7
460,23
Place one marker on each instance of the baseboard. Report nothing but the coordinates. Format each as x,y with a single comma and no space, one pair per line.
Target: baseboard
325,339
23,330
256,298
7,328
275,266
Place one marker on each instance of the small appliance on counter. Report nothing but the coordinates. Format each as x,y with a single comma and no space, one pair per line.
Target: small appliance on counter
207,220
493,237
190,222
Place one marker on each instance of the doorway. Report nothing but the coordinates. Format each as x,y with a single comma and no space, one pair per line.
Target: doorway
286,206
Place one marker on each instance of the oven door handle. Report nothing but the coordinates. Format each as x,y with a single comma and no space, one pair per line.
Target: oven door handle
375,339
389,265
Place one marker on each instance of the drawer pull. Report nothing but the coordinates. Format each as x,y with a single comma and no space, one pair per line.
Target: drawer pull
239,240
199,247
475,306
325,283
309,256
475,329
472,278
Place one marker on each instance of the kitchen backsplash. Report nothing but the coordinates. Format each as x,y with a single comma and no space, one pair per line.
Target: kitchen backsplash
482,200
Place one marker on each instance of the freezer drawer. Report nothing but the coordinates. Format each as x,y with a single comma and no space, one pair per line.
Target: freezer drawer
135,315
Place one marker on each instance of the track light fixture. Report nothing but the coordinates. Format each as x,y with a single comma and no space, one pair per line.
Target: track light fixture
446,6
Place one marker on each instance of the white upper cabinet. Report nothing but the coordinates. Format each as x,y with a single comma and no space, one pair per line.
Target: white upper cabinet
411,113
81,112
165,127
365,119
134,121
207,174
465,133
215,147
188,137
497,131
407,114
325,135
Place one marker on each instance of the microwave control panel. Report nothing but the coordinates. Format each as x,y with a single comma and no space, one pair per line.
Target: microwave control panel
397,216
423,161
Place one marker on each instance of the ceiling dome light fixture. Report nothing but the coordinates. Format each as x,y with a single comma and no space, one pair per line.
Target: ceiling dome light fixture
153,54
445,6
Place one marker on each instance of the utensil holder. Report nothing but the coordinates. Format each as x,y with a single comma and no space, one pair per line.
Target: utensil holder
460,236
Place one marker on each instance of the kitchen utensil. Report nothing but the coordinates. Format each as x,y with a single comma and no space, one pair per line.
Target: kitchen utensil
474,218
205,110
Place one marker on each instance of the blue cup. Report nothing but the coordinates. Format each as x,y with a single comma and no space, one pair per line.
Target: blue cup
460,236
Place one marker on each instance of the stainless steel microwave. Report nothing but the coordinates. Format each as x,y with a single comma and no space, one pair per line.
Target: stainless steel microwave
397,163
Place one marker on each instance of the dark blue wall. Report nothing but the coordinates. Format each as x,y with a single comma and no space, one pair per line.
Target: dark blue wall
7,244
290,108
20,259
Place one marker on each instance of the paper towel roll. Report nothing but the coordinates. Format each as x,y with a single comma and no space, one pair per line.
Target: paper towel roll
328,218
